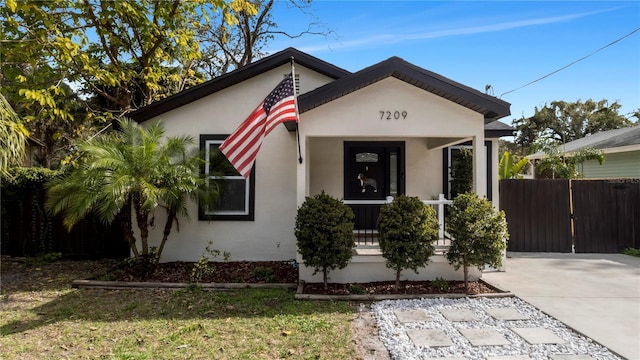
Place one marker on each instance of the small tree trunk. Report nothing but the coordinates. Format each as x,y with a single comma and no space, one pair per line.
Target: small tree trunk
124,218
142,217
171,215
324,278
398,270
465,270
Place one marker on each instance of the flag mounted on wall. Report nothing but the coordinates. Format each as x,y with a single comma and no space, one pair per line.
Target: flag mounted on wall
241,147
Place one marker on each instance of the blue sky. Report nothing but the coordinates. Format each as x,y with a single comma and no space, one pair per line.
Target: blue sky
505,44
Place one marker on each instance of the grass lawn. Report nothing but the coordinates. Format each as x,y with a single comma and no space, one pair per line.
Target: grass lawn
57,322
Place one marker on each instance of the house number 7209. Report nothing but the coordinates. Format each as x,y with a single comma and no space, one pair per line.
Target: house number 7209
393,115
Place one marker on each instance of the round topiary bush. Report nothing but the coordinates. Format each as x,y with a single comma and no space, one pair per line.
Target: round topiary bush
324,233
479,234
407,229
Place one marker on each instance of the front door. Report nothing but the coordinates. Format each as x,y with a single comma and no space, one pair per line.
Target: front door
373,170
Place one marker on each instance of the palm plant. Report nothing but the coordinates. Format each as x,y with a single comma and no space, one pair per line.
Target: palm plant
13,136
132,170
509,168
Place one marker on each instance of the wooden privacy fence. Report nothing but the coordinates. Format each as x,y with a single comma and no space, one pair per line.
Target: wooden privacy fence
583,216
28,230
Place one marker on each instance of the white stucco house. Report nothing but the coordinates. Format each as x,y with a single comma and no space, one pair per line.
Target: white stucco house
393,121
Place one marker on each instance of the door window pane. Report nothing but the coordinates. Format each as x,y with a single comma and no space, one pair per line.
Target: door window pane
393,174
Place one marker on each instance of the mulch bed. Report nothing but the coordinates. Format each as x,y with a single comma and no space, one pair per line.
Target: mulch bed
287,272
406,287
221,272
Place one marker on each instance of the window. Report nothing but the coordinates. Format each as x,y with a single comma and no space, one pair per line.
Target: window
237,201
449,155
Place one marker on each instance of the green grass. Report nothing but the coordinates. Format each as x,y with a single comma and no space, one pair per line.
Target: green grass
632,252
185,324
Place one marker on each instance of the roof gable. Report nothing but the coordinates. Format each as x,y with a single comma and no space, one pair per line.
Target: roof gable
237,76
491,107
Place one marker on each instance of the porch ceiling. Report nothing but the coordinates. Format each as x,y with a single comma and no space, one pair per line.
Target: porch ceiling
439,143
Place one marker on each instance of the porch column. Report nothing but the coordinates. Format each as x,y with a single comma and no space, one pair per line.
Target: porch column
495,193
302,172
479,166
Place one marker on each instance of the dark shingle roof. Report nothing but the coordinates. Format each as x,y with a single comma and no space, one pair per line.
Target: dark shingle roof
498,129
491,107
346,82
602,140
239,75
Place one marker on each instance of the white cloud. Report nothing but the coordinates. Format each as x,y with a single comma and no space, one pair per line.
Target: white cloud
389,38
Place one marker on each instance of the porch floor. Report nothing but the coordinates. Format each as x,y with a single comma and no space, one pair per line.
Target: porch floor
372,248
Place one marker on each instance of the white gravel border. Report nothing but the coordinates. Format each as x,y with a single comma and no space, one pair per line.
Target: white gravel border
394,336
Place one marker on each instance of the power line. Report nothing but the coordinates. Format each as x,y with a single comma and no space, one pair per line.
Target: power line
575,62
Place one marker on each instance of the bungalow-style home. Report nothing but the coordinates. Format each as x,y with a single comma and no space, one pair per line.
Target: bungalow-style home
393,122
622,153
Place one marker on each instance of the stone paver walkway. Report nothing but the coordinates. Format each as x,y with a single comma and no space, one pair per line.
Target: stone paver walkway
498,332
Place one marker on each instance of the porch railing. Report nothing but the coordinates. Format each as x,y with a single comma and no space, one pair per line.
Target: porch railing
366,216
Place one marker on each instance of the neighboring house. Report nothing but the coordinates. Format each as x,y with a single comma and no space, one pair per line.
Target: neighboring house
393,121
622,153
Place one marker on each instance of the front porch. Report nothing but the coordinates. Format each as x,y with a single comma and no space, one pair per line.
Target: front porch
368,264
366,235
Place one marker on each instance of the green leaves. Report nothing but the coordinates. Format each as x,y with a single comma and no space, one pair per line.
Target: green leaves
507,169
406,230
324,233
478,231
565,165
564,121
136,166
13,137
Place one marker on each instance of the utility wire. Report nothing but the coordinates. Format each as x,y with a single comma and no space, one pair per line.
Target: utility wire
566,66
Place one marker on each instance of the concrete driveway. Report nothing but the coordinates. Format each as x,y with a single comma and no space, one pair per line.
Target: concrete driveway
596,294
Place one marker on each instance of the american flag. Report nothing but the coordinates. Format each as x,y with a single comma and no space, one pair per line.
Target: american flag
241,147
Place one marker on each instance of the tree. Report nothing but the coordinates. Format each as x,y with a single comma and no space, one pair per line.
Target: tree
564,121
138,43
324,233
462,173
407,229
13,137
231,47
132,169
479,234
564,165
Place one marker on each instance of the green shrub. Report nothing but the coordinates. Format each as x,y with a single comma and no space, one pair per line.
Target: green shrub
479,234
407,229
462,173
262,273
440,284
324,233
632,252
203,267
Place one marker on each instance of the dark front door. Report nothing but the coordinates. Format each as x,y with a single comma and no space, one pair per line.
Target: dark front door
372,171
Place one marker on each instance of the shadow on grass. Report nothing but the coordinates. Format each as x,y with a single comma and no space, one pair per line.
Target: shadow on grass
192,303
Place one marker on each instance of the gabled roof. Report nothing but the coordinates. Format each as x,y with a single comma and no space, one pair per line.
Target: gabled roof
346,82
498,129
239,75
491,107
624,139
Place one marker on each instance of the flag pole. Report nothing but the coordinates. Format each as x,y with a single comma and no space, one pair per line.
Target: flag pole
295,96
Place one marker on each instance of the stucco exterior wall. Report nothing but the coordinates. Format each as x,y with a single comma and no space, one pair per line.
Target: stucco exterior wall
282,183
357,116
270,236
423,167
363,269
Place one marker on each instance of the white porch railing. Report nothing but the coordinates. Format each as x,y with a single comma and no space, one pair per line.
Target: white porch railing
367,214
